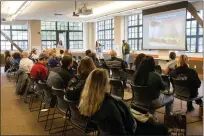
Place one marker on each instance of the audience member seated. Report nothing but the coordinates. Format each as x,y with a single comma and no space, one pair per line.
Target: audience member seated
95,59
34,55
75,86
137,60
87,52
75,64
61,54
171,65
26,64
53,62
192,77
39,70
67,53
146,76
65,70
8,60
16,59
112,116
79,59
123,66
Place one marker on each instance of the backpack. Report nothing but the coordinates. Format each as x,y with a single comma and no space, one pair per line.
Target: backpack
74,88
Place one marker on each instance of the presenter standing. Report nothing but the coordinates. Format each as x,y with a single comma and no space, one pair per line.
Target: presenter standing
126,51
99,50
60,45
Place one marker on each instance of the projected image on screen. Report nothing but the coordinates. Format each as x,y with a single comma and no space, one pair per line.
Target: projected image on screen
165,31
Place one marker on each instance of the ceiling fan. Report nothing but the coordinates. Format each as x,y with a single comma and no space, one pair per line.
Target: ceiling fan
74,13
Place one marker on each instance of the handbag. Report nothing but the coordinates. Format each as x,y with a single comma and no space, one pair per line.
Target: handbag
144,118
176,124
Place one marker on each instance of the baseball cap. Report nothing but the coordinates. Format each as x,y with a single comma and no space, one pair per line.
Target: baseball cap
43,55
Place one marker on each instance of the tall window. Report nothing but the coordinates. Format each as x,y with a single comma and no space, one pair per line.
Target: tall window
75,35
135,31
105,33
48,34
17,33
194,33
50,30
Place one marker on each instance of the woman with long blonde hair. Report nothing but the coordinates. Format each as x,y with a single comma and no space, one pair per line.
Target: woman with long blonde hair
112,116
192,78
75,86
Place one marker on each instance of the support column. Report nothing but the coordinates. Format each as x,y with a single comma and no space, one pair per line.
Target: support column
119,34
88,36
34,33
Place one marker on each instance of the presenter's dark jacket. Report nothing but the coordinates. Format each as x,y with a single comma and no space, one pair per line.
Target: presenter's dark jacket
126,49
192,76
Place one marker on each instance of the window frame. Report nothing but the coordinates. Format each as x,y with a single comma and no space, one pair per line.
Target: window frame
137,33
11,30
58,30
102,31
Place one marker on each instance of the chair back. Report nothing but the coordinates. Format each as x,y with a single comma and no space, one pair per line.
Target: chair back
114,67
141,97
117,88
181,88
46,91
61,103
166,81
130,74
75,117
41,86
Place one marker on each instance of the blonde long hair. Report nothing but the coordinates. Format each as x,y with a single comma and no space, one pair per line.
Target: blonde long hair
183,60
93,94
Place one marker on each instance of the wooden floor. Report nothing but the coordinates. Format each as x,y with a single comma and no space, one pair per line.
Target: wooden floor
16,119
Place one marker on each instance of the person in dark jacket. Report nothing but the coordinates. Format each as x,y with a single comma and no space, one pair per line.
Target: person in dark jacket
138,59
112,116
75,64
65,70
75,86
114,58
192,77
146,76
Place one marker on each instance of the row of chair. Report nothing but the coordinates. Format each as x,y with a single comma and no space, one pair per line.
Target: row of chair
57,107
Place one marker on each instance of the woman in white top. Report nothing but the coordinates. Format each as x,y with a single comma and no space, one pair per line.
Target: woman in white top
60,44
26,64
99,50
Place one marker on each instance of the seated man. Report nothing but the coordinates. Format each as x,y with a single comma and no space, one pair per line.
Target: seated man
26,64
65,70
39,70
122,65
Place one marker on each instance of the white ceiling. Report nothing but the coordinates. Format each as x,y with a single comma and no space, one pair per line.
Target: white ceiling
45,10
